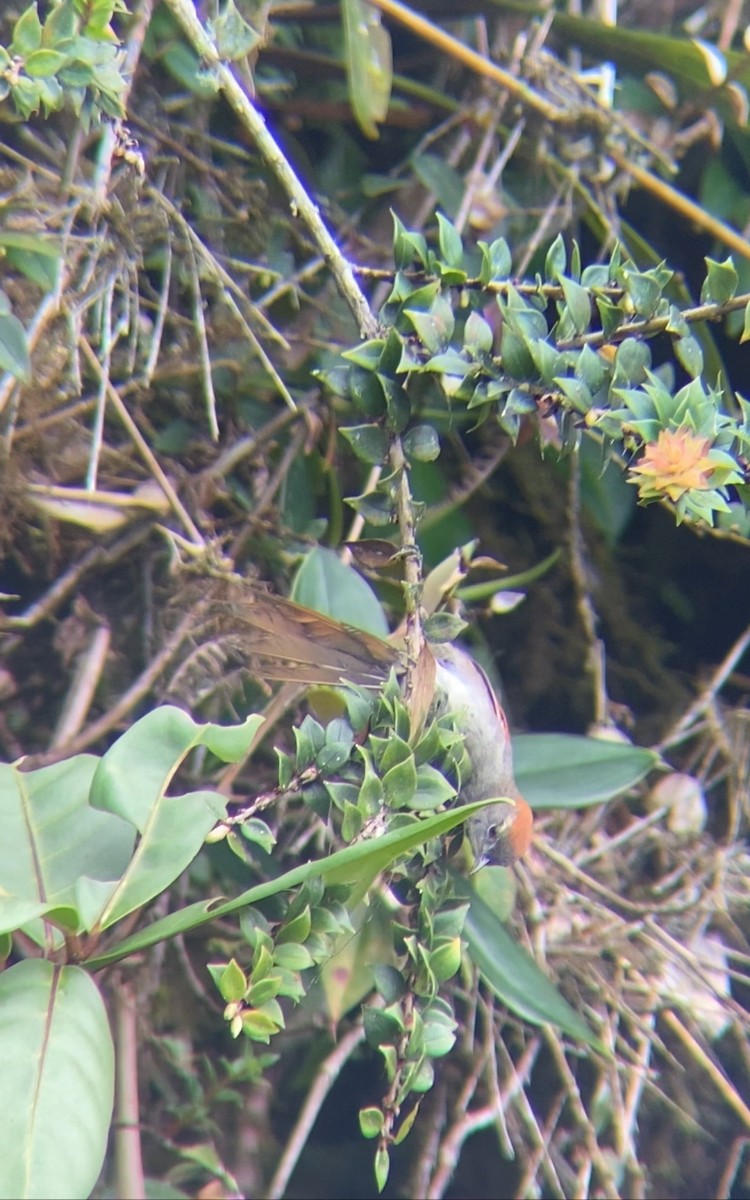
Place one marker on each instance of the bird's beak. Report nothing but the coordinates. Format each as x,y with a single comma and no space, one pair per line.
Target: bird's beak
484,861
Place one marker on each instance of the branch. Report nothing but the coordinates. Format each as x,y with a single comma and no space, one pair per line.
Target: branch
299,201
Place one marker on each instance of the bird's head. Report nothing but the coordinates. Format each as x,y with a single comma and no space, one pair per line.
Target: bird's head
501,833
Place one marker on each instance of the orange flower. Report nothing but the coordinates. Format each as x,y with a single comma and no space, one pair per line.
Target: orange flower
676,462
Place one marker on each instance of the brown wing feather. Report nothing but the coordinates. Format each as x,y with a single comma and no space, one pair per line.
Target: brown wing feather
281,640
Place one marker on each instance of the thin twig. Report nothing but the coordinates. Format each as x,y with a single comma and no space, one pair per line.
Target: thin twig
112,129
144,449
682,204
63,587
328,1073
412,562
88,672
587,613
130,1181
708,693
204,354
578,1110
714,1072
123,707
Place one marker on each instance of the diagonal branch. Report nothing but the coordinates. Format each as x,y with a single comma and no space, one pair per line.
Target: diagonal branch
299,201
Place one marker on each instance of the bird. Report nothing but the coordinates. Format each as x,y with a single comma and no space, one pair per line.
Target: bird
500,833
281,640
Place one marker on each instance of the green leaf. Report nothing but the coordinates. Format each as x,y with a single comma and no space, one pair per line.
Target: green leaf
610,315
57,1081
231,982
352,822
644,291
576,392
400,783
259,1026
369,442
326,584
27,33
422,443
496,886
264,990
449,242
517,360
369,65
382,1026
695,65
44,62
27,95
355,866
233,36
382,1167
432,789
40,265
172,828
478,335
389,982
559,770
407,246
309,738
366,392
689,353
577,303
292,956
632,359
590,369
445,960
515,978
720,283
556,260
429,328
439,1033
14,352
445,626
60,25
367,355
500,260
255,830
51,840
371,1122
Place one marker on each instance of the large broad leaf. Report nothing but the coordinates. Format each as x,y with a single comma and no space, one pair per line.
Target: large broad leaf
131,781
56,1081
68,831
515,978
559,770
50,838
326,584
369,66
356,866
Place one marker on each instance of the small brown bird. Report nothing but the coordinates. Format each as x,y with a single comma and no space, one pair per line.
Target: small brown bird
501,833
285,641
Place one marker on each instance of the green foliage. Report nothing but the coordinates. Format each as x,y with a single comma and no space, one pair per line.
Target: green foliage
90,844
14,349
72,56
367,48
70,868
88,840
572,347
57,1081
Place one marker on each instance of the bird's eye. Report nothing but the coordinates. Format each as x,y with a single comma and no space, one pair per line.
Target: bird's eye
493,832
